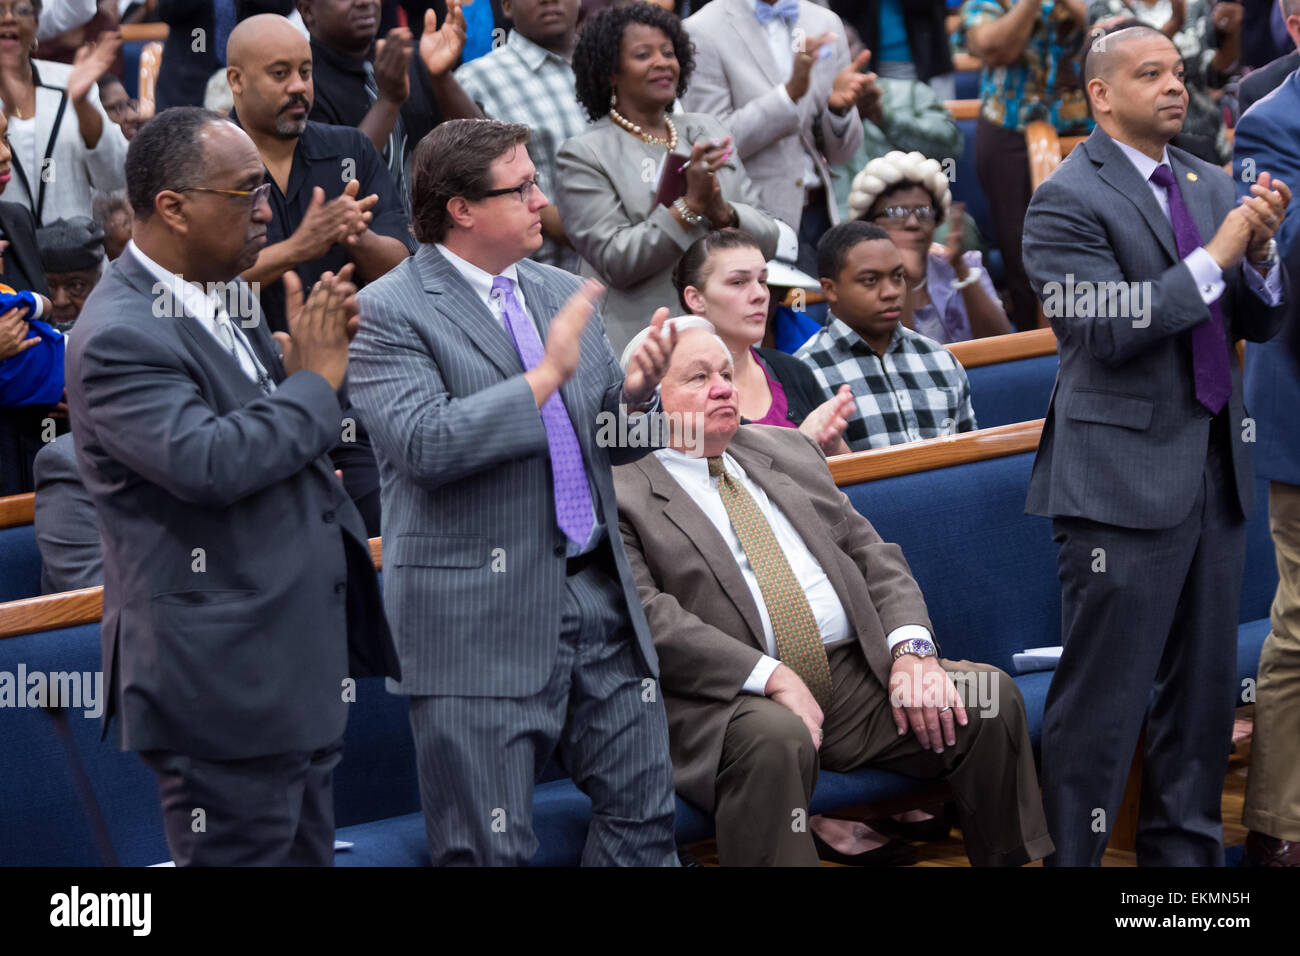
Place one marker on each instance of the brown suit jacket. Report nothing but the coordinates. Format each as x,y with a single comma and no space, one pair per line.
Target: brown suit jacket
703,619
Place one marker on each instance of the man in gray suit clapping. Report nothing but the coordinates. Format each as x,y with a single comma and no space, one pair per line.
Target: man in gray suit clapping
491,393
1149,271
239,594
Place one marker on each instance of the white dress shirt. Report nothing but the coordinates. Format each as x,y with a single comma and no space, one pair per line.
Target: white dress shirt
480,280
208,310
1205,271
693,475
781,41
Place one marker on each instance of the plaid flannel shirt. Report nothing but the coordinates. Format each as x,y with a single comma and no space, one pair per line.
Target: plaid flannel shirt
915,390
519,82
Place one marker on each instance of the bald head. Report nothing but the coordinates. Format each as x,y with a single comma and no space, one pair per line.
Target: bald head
258,40
1108,52
1135,87
268,67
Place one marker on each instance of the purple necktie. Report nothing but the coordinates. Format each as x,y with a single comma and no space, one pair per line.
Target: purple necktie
1210,369
573,510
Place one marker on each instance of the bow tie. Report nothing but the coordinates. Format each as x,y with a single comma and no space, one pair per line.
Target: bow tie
787,10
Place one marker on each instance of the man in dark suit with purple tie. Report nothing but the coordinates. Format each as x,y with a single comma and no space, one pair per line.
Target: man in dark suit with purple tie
1149,271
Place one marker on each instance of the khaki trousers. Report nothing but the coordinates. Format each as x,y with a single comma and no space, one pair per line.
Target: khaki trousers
769,766
1273,784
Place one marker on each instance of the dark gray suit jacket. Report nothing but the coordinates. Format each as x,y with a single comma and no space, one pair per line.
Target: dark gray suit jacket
66,530
1125,439
238,588
474,563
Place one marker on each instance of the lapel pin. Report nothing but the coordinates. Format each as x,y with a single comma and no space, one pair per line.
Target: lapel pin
1191,177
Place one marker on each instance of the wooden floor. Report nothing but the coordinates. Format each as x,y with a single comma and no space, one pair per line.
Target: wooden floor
951,852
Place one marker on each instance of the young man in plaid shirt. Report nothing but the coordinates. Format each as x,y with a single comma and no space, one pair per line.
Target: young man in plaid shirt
908,387
529,80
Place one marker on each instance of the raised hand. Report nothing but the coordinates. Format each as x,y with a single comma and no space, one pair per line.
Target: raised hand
564,340
354,214
1266,208
849,84
321,227
804,58
955,243
825,424
392,65
320,328
440,47
707,157
646,368
90,62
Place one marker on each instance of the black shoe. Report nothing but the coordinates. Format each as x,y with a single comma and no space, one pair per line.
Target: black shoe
893,853
1265,850
686,858
922,831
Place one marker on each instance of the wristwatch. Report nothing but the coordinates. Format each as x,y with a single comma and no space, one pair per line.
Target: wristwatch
1270,256
914,645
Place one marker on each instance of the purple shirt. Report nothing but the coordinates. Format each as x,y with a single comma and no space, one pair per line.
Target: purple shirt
945,319
778,411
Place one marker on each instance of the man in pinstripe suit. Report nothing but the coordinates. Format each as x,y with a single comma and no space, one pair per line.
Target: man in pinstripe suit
513,606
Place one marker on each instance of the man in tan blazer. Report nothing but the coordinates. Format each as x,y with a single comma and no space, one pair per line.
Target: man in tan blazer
778,76
775,652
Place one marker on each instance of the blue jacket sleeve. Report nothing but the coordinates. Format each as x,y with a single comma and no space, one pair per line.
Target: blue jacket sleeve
34,377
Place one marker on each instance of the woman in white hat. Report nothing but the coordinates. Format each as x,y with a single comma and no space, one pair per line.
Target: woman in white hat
950,297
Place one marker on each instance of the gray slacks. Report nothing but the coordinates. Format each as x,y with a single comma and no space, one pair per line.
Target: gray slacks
478,757
263,811
1150,634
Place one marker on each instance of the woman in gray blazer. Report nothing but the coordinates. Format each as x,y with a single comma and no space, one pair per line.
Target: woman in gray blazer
628,211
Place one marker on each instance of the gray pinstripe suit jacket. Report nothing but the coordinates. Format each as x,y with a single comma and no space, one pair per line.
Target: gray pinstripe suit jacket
474,562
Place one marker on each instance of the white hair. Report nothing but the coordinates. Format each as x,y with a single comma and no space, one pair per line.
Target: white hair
893,168
682,323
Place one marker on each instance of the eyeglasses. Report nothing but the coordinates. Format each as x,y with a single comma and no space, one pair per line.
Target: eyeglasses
898,214
524,191
253,196
22,11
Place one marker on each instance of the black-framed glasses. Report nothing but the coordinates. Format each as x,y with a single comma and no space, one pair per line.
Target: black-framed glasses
253,196
21,11
899,214
524,191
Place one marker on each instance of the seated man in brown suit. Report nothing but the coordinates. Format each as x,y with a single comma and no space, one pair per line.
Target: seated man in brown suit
781,618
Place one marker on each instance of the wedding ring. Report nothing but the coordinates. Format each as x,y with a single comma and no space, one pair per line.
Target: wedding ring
945,710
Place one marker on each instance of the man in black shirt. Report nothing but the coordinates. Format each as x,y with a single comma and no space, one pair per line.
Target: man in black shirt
332,200
369,84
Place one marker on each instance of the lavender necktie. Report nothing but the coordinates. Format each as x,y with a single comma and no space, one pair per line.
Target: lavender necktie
573,509
1210,370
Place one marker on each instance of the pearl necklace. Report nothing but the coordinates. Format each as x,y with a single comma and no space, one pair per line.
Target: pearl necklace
635,130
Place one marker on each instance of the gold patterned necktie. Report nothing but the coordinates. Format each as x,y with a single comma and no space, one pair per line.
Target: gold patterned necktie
798,639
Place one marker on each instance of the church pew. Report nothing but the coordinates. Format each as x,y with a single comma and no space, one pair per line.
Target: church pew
954,505
1011,376
20,560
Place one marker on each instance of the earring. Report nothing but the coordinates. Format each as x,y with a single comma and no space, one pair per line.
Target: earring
613,98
